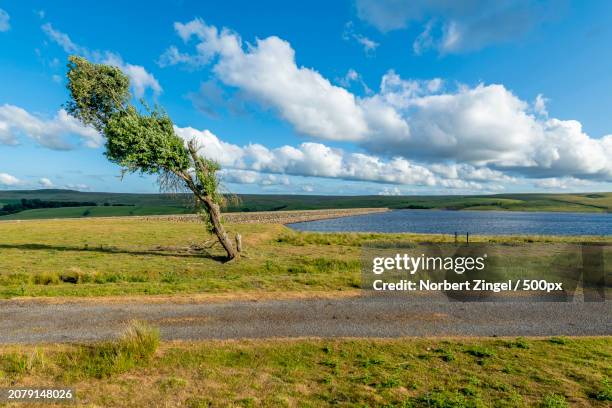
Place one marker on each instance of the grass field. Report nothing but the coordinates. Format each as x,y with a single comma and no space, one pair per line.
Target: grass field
135,371
150,204
81,212
104,257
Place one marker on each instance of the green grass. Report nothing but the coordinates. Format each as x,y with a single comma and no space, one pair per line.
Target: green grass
132,257
122,256
150,204
82,212
133,371
135,348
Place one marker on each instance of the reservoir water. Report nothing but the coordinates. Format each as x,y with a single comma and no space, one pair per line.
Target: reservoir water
474,222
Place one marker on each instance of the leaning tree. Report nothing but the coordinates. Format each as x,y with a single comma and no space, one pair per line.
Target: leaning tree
144,140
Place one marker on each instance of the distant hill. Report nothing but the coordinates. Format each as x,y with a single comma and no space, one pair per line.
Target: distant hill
150,204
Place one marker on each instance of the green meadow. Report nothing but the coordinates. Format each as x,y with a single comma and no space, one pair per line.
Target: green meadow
132,257
136,370
151,204
123,256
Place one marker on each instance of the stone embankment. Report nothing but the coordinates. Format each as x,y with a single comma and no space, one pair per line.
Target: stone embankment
261,217
272,217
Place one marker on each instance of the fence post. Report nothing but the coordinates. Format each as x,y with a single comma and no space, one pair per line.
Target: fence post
238,242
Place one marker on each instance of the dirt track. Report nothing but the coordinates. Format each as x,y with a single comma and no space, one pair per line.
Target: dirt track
40,322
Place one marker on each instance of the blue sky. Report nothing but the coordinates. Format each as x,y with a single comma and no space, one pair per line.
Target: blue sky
345,97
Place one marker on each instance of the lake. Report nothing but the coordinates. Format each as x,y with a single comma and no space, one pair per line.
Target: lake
474,222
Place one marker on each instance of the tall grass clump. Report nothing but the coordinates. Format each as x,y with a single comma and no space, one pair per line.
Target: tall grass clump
134,348
604,393
46,278
16,364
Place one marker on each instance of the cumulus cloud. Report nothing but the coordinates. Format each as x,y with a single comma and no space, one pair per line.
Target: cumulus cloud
45,182
51,133
78,187
237,176
484,126
308,159
140,78
4,21
489,125
267,71
556,183
390,191
470,173
8,180
246,164
454,26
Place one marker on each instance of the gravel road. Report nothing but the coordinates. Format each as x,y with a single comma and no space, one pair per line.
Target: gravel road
39,322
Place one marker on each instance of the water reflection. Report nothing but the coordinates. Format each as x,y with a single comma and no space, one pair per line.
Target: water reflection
474,222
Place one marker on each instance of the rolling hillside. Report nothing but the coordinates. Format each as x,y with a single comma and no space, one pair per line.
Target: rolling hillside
150,204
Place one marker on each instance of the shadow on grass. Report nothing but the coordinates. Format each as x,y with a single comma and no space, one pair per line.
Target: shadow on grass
188,252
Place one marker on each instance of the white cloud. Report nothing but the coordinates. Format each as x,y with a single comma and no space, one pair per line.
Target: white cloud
485,126
368,45
470,173
4,21
79,187
401,94
457,26
45,182
237,176
63,40
46,132
351,77
390,191
490,126
173,56
8,180
267,71
425,40
140,78
244,164
539,105
555,183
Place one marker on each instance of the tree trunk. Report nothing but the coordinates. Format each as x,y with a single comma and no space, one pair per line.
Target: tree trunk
212,208
215,218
